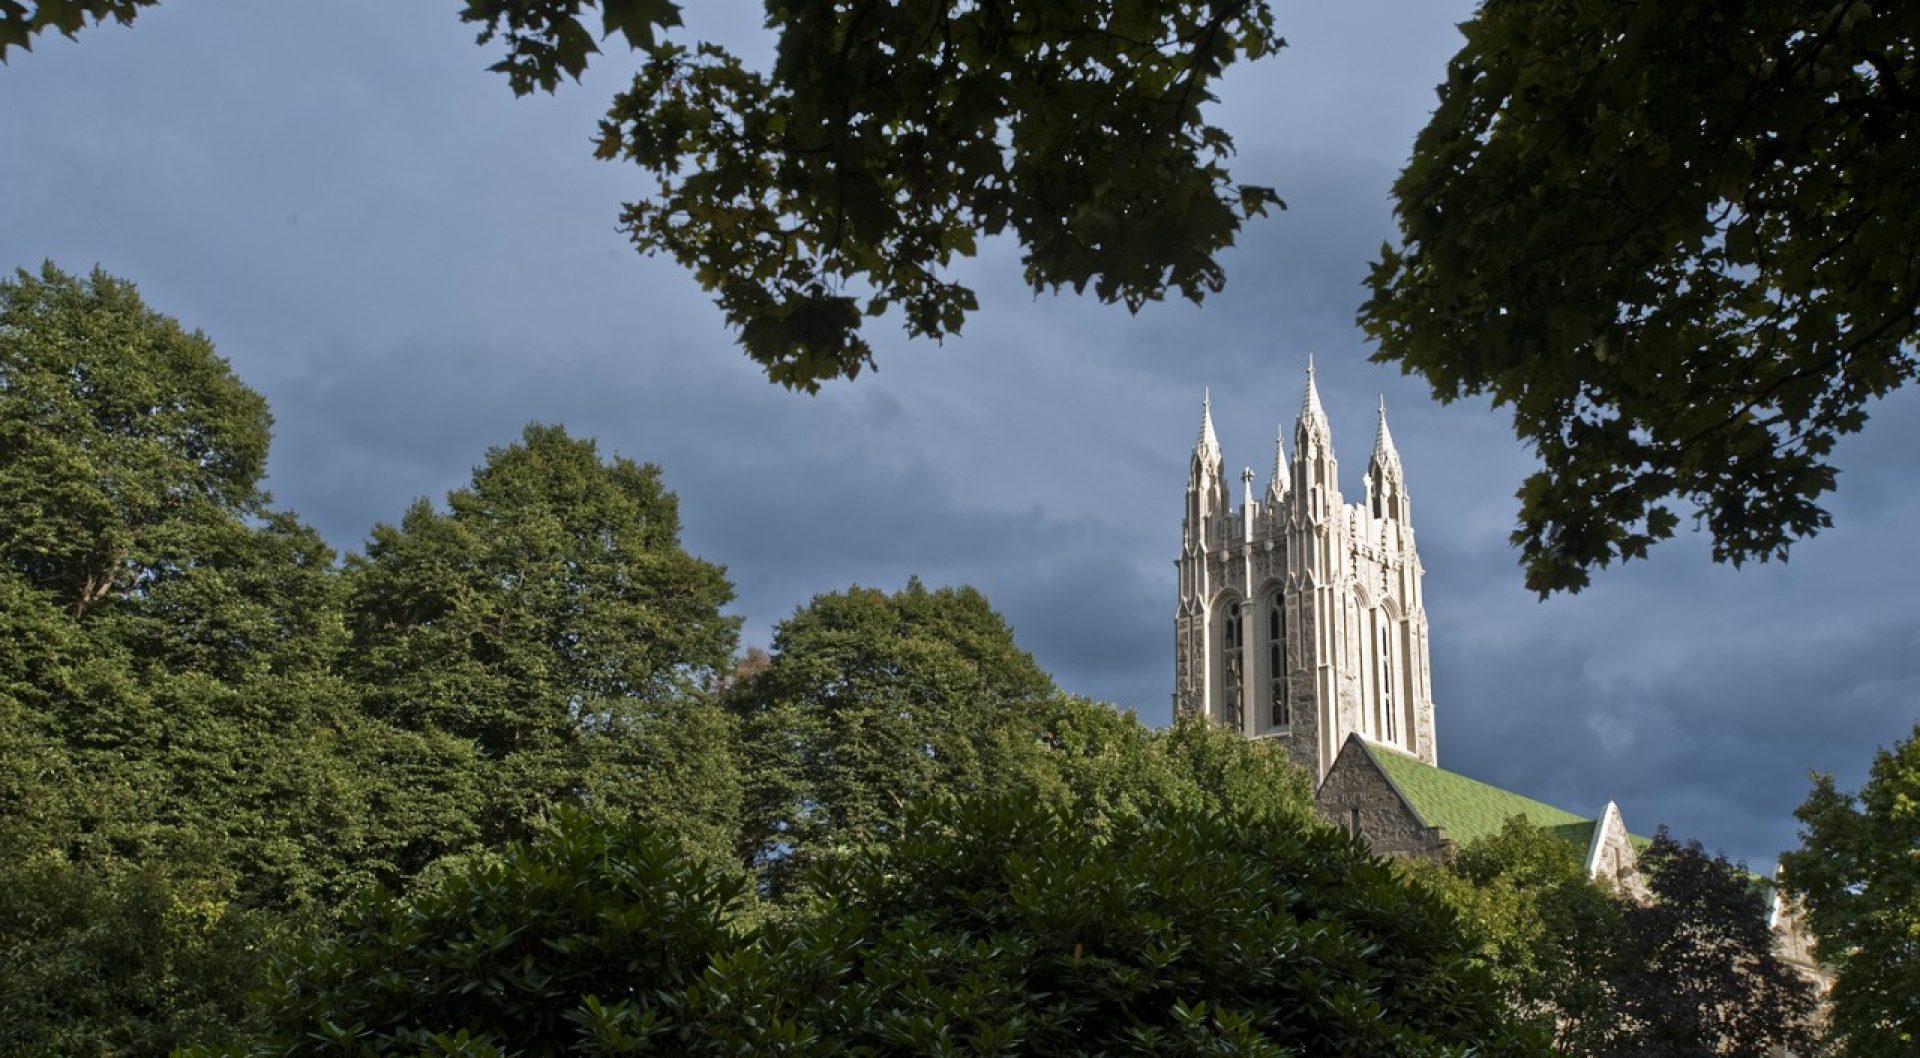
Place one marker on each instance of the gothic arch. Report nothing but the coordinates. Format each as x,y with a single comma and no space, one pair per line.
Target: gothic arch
1221,598
1272,644
1228,656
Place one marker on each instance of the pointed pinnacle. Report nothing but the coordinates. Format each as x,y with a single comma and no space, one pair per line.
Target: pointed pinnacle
1207,443
1310,408
1277,485
1384,452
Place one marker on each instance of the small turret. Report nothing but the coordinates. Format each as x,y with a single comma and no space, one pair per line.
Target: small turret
1316,487
1206,478
1312,424
1386,482
1207,448
1277,484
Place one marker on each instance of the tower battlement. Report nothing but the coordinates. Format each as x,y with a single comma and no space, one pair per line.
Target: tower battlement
1300,614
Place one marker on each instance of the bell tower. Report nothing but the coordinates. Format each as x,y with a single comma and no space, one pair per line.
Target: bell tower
1300,616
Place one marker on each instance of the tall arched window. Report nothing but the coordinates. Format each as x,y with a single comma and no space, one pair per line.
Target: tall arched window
1231,667
1277,661
1386,681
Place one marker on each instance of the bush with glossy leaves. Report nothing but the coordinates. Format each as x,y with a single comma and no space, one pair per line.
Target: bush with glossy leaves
988,928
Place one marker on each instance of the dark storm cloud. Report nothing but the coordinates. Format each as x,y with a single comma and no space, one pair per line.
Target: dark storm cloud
412,265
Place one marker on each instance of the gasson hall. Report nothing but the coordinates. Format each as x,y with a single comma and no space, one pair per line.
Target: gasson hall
1301,619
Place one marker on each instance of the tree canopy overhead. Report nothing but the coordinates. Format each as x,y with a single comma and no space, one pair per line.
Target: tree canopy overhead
887,137
884,141
1678,238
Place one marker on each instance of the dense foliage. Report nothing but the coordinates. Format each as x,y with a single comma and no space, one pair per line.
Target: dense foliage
113,959
177,773
892,832
872,700
210,735
1858,876
1676,237
988,928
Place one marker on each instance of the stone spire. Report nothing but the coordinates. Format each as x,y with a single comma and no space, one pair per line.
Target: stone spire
1385,456
1386,483
1313,417
1207,448
1277,485
1206,477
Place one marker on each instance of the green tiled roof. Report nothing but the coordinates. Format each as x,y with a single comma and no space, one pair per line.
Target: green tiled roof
1470,809
1579,835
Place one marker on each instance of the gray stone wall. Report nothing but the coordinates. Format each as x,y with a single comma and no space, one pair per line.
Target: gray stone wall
1356,789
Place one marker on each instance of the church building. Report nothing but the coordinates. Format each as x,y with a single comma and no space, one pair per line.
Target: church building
1301,618
1300,614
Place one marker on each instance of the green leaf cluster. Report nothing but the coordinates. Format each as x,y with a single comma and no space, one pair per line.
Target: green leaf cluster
21,21
871,701
884,141
1544,928
1857,874
1675,237
114,959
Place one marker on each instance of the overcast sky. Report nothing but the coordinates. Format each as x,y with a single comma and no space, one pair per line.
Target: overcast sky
411,264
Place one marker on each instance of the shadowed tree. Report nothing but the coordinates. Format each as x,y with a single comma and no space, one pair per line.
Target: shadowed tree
1676,238
1695,973
996,928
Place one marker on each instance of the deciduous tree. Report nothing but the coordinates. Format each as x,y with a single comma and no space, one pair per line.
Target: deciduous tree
1548,933
885,140
871,700
545,640
1858,874
104,960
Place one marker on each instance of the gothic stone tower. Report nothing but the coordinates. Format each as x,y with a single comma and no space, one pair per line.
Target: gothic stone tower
1301,615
